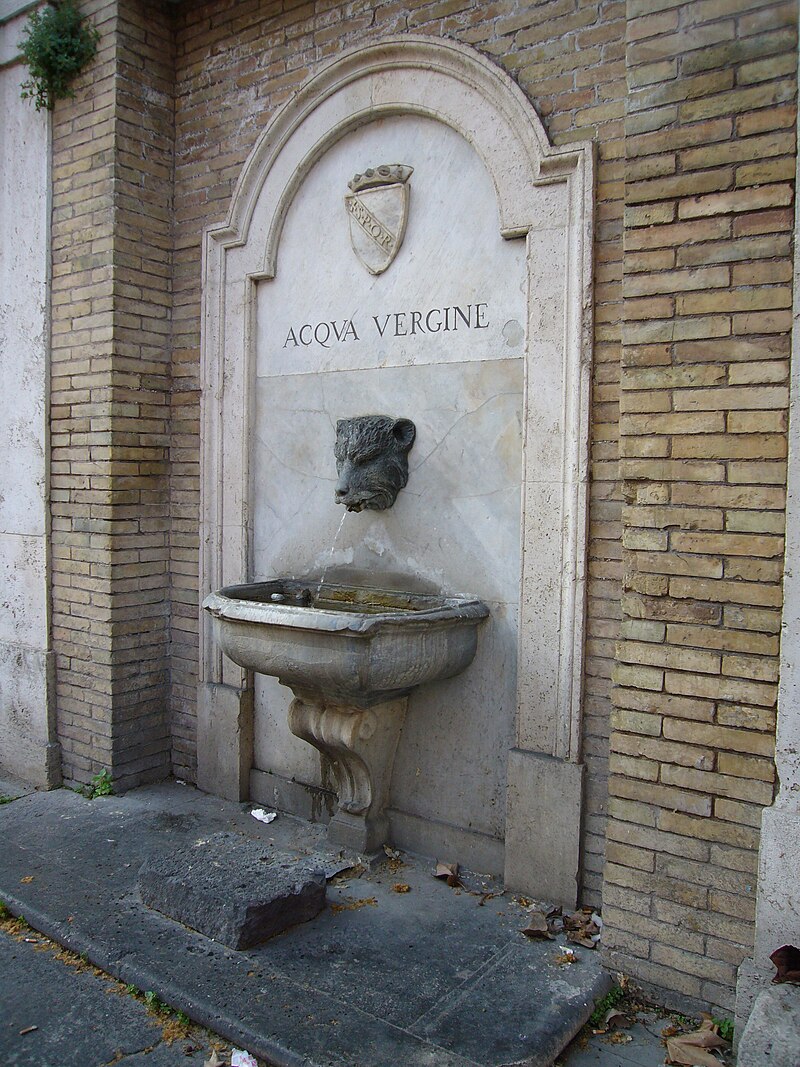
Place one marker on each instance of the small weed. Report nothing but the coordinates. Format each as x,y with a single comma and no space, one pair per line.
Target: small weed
155,1003
725,1028
182,1018
4,912
612,998
100,786
6,799
132,990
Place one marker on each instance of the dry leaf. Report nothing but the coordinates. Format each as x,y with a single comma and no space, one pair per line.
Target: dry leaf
401,887
537,928
215,1061
26,880
692,1050
787,964
449,872
614,1019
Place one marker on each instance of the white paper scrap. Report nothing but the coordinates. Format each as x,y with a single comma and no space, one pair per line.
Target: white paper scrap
240,1058
264,816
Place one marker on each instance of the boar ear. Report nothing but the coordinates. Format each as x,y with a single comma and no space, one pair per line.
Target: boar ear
404,432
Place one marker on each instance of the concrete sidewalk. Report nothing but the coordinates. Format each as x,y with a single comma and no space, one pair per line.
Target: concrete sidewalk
434,976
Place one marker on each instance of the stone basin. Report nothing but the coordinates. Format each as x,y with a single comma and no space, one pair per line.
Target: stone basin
351,655
345,643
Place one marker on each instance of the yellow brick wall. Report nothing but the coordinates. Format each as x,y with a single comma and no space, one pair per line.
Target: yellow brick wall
112,249
710,162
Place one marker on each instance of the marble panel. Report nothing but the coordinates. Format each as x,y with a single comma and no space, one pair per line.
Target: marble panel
23,309
324,311
25,726
455,527
23,618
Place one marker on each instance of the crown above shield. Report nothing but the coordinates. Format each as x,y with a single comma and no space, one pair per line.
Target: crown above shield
377,207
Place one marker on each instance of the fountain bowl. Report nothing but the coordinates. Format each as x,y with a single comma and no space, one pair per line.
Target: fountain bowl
342,643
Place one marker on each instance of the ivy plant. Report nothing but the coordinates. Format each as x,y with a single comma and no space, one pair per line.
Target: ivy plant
57,44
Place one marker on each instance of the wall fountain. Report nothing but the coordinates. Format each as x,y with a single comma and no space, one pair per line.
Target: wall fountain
453,286
351,655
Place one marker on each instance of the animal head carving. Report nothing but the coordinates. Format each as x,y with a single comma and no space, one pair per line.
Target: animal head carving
372,460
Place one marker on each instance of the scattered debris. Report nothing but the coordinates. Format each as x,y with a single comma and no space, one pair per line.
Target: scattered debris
394,858
401,887
214,1060
695,1049
353,904
26,880
449,872
566,955
264,816
787,964
28,1030
486,896
583,927
544,921
241,1058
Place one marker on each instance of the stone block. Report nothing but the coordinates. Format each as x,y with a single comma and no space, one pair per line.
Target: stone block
772,1034
543,826
233,889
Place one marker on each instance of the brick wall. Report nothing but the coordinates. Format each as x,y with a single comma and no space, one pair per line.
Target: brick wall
112,246
236,63
691,106
709,137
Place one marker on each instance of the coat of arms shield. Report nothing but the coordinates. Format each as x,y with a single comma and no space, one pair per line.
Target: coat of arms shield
377,207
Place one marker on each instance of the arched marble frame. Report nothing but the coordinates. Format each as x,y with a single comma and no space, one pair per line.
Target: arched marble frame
545,196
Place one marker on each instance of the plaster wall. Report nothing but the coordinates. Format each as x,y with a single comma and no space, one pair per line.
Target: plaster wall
24,269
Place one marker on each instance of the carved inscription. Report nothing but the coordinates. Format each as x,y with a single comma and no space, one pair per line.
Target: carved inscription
393,324
371,226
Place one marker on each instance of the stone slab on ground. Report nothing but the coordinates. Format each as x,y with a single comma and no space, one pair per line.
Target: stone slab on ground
233,889
772,1034
432,977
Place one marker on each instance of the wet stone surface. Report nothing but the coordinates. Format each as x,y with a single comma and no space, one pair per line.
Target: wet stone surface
235,890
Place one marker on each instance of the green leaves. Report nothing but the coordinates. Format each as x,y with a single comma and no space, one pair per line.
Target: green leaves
56,46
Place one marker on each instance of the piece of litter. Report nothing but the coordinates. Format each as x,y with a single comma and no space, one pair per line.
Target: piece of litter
240,1058
264,816
449,872
214,1061
28,1030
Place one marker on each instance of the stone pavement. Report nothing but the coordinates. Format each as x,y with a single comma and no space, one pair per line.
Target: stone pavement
434,976
61,1014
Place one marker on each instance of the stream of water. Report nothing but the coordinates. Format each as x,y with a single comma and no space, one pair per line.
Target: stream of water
326,568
